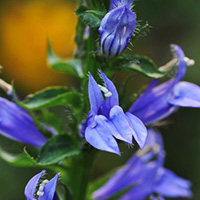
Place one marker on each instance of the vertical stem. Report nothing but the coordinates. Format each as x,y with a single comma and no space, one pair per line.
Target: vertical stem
81,169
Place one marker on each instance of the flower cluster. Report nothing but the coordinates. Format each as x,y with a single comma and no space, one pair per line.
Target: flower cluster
97,118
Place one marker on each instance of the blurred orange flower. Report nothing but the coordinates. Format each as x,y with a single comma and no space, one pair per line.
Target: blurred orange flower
25,28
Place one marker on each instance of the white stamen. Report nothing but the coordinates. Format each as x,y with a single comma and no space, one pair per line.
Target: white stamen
106,92
189,62
5,86
40,192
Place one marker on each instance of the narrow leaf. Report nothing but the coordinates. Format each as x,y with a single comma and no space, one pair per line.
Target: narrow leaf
140,64
52,96
72,66
20,160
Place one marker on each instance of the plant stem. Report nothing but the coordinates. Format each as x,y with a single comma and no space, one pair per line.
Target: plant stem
81,169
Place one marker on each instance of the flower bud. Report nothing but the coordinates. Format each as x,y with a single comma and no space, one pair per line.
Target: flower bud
116,29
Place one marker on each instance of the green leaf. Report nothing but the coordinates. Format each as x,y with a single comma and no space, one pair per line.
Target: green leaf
72,66
140,64
20,160
51,120
58,148
90,18
52,96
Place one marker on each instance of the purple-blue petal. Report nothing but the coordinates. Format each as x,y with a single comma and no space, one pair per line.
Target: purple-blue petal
31,186
186,95
95,95
101,136
170,185
139,131
119,120
155,103
123,178
153,106
181,62
50,189
112,100
16,124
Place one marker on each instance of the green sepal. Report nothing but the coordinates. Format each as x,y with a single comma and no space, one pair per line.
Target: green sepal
90,18
72,66
49,97
140,31
57,148
140,64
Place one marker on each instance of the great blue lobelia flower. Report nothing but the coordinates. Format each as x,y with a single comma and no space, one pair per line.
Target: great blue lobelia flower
107,120
17,124
144,174
117,27
41,189
158,102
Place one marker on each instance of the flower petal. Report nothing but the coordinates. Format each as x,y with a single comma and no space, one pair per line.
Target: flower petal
49,189
101,136
123,178
182,65
113,100
119,120
186,95
139,130
153,106
95,95
31,186
16,124
170,185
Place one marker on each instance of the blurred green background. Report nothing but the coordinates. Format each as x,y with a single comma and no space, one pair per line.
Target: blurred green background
24,29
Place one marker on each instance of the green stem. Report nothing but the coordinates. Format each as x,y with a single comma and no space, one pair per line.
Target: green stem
81,169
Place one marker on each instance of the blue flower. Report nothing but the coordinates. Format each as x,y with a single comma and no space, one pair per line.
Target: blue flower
145,175
107,120
41,189
158,102
117,28
16,124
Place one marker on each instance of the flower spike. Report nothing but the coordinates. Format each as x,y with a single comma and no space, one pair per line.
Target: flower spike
107,121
